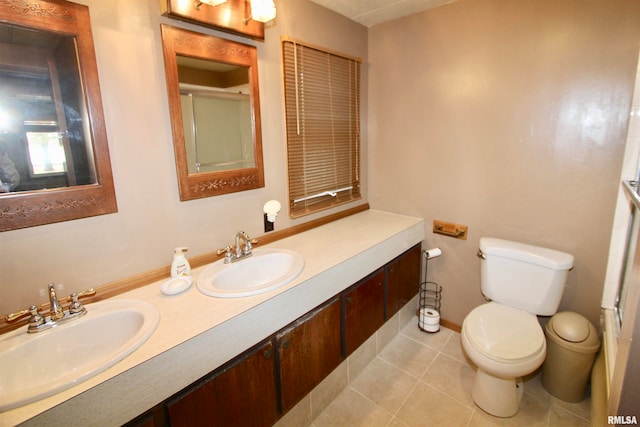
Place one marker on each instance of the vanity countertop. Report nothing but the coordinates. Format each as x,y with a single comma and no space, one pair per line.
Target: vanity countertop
198,333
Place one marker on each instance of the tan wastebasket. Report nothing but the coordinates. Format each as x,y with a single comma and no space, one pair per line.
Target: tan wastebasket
572,344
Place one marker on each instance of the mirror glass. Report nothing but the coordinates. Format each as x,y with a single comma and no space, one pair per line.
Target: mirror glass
44,142
212,84
54,158
216,114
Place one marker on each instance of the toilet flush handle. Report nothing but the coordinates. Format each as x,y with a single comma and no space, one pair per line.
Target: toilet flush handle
481,255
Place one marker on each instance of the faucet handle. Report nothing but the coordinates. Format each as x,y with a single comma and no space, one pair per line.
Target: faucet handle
226,250
227,253
76,306
248,245
35,319
223,250
20,314
87,293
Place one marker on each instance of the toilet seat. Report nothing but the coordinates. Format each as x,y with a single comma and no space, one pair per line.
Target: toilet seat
504,334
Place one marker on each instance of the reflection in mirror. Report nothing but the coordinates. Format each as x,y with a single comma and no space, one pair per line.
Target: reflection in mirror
54,158
216,114
45,143
214,102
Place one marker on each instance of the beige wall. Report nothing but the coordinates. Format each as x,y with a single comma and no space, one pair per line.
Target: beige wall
509,117
506,116
151,220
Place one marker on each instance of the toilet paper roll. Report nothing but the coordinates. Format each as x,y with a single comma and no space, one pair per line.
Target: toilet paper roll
429,317
433,253
429,320
431,328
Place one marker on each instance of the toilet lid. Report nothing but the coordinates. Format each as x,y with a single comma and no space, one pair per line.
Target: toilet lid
503,333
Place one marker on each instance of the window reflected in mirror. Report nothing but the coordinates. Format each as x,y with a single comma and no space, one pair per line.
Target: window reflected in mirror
46,153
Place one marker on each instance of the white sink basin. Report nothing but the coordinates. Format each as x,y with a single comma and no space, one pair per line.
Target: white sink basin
265,270
34,366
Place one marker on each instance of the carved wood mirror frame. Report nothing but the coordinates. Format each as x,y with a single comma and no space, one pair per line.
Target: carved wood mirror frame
38,207
177,41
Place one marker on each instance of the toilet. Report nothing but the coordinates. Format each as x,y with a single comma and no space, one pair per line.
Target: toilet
503,337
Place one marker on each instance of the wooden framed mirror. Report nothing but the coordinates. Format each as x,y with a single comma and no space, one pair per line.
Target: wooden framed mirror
212,84
54,155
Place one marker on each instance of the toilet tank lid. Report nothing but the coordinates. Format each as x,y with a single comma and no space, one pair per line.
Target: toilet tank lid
545,257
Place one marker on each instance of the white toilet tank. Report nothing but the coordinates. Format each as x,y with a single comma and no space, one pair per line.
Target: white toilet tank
523,276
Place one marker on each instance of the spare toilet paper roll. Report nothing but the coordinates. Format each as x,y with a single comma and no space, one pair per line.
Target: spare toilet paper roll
433,253
431,328
429,320
429,316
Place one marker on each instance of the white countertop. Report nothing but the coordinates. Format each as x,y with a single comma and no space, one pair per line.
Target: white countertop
198,333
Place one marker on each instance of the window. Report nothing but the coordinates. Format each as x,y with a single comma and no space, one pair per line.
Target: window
322,103
46,153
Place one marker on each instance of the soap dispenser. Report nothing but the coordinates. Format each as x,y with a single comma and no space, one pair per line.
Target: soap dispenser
180,266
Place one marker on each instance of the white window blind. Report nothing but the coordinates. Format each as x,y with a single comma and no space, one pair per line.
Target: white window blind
322,103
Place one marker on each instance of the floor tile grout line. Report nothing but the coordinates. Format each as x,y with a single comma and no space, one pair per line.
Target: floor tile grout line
405,371
451,334
408,395
372,401
563,409
388,362
421,379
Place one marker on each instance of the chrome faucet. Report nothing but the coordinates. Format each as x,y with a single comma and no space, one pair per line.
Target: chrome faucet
241,249
56,312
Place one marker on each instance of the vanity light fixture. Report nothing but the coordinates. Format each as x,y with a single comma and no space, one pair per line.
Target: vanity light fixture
198,3
261,11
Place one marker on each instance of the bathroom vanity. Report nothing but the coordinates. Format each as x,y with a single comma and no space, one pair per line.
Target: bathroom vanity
358,272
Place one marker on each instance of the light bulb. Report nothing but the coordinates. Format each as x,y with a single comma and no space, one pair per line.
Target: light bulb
263,10
271,208
211,2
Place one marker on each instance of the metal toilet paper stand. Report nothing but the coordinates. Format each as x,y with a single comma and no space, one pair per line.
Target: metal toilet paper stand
429,297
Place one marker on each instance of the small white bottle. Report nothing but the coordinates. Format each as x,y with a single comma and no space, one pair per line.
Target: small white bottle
180,266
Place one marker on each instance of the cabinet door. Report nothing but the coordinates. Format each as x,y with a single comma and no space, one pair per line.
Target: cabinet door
363,310
243,394
403,280
308,351
154,417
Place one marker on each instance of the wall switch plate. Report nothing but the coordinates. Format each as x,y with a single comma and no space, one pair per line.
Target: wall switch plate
450,229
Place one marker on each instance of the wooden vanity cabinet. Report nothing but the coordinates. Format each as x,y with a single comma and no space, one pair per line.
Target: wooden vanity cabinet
403,280
242,394
363,310
263,383
154,417
308,351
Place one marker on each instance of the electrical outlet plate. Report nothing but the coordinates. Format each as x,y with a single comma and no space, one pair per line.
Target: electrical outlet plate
450,229
268,225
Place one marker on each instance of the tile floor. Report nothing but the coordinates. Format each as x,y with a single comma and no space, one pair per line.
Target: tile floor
422,379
